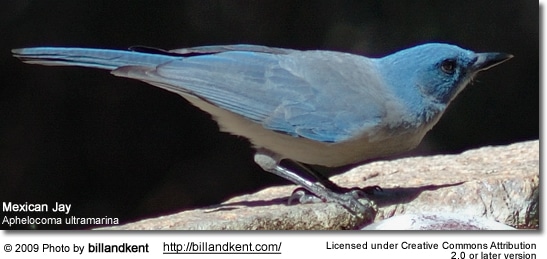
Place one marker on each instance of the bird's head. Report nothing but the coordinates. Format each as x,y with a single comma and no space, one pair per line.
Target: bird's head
435,72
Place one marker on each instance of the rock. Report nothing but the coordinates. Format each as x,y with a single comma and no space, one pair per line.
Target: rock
487,184
436,221
498,183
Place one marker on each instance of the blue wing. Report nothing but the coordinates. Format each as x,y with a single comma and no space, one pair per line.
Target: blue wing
318,95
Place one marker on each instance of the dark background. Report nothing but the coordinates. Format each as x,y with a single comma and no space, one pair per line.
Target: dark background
121,148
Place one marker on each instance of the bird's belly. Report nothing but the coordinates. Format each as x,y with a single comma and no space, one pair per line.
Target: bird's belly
339,154
314,152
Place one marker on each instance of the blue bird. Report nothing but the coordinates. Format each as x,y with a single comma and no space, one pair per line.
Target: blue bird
312,107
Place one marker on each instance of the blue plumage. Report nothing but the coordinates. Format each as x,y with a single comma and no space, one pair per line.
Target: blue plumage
316,107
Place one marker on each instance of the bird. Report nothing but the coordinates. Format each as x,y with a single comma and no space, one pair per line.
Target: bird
310,107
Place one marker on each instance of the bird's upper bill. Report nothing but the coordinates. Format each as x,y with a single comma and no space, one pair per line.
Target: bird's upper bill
490,59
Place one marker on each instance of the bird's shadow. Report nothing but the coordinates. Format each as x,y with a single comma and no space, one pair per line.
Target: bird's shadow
382,198
390,196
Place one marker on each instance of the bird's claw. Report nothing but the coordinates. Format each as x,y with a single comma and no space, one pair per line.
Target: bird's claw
349,199
303,196
364,192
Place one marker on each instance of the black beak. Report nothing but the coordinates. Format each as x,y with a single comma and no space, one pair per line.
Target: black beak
488,60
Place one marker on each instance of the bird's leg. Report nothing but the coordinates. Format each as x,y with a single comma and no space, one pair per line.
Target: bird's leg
325,181
270,162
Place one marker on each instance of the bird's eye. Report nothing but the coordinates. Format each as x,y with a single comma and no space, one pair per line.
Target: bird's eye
448,66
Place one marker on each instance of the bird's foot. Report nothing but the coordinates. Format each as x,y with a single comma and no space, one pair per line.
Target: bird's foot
355,199
365,208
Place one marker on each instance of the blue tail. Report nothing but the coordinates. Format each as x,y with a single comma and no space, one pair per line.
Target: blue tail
85,57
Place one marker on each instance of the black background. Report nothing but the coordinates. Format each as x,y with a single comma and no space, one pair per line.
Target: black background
121,148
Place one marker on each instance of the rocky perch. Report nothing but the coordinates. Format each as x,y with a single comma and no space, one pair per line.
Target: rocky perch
498,184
